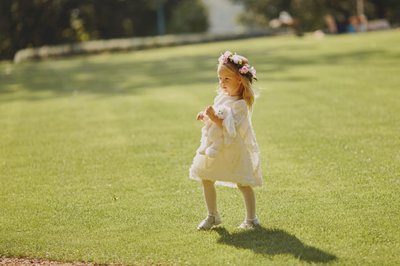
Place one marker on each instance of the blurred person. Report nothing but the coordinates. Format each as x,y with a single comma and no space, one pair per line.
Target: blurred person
363,23
353,24
287,20
335,24
331,24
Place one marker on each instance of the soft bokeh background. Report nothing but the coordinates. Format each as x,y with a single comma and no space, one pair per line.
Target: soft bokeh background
35,23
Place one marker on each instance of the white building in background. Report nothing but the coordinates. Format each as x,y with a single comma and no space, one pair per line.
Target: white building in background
223,16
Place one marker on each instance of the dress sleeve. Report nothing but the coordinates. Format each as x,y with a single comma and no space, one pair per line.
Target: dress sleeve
239,112
235,115
244,127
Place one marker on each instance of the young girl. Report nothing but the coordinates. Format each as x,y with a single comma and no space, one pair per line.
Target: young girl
237,163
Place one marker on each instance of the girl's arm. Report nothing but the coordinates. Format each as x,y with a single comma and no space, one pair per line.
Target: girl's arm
211,114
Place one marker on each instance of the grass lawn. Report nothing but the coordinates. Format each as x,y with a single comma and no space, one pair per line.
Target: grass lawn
95,151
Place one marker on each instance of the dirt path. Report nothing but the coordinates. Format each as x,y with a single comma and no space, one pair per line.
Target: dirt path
37,262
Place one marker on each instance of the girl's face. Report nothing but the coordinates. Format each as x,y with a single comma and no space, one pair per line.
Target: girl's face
229,81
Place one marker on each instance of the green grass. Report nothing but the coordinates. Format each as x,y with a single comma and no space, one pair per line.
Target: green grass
95,151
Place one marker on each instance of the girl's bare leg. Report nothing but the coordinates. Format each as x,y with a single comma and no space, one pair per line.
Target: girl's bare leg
210,197
250,201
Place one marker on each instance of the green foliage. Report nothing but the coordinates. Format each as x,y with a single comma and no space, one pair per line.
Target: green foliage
30,23
187,17
95,153
35,23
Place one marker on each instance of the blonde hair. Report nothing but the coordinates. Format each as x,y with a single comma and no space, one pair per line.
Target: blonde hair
246,82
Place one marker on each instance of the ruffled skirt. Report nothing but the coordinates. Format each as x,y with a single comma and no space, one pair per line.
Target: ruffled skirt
232,166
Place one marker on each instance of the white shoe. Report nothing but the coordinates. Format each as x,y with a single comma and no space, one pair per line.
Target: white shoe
209,222
250,224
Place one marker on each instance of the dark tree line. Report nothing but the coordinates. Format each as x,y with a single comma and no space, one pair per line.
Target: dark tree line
32,23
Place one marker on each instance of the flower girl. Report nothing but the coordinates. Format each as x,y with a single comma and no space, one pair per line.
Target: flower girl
237,161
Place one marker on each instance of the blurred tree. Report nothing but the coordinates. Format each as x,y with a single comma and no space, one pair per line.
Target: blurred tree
389,9
32,23
187,16
123,18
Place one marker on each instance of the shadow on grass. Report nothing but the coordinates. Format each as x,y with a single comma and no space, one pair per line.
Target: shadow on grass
116,77
269,242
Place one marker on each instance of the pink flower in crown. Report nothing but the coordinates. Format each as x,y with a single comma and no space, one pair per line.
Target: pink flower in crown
225,57
244,69
253,71
236,59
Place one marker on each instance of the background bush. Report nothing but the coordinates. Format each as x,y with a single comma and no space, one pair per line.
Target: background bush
48,22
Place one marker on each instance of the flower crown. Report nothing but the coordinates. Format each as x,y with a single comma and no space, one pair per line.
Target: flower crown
243,67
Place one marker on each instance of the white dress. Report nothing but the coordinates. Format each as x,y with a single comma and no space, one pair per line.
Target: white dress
238,161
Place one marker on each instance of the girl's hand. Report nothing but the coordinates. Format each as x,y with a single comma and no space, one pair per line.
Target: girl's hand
210,112
200,116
